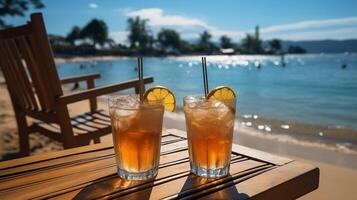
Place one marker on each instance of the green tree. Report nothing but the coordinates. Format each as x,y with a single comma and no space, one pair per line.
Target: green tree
169,40
205,38
251,44
96,31
226,42
16,8
185,47
275,45
248,44
139,34
205,43
74,34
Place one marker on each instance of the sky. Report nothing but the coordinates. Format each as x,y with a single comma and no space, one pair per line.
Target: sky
288,20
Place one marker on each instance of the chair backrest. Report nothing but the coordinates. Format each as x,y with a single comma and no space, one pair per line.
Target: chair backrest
27,62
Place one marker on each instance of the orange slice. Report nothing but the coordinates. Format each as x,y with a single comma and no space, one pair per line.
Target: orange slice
221,93
160,93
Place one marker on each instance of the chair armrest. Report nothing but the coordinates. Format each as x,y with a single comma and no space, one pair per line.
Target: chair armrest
94,92
74,79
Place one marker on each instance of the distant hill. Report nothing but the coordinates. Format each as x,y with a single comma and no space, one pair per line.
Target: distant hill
324,46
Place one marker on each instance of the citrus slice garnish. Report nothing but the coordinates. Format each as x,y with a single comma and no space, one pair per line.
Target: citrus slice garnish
158,93
221,93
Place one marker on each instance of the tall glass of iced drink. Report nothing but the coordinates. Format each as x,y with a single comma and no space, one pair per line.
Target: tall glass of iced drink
137,130
210,124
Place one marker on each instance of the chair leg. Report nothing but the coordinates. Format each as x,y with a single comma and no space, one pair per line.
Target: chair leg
24,139
64,120
96,140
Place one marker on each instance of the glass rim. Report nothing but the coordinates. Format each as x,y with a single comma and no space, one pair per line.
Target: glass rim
201,97
142,105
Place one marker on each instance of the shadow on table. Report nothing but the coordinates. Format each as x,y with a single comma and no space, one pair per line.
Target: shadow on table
109,187
209,188
10,156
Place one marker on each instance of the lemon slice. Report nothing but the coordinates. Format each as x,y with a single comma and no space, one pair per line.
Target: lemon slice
157,93
221,93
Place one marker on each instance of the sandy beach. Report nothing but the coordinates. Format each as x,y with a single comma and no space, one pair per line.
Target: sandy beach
338,165
59,60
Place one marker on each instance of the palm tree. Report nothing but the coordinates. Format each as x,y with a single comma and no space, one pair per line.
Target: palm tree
248,44
97,31
226,42
205,39
139,36
74,34
275,45
205,43
169,40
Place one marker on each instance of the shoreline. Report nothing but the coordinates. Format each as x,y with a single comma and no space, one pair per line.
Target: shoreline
60,60
176,120
336,138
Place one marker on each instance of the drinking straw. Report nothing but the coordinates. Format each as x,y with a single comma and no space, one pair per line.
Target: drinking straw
205,77
141,81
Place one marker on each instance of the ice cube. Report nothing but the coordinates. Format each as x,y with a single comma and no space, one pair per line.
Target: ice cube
212,112
123,105
125,112
130,101
200,114
222,111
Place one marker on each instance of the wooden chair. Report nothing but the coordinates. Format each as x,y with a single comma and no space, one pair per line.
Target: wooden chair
26,60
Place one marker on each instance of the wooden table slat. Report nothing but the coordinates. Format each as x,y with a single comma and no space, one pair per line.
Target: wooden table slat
96,152
82,167
58,154
290,181
246,151
90,172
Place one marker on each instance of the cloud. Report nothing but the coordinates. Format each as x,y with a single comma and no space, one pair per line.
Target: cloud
311,24
339,28
92,5
157,17
189,28
338,34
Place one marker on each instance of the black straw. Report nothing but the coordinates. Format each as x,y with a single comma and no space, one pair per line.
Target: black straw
205,77
141,78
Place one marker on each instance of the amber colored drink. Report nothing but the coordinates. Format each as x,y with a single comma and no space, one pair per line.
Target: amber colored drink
210,133
137,136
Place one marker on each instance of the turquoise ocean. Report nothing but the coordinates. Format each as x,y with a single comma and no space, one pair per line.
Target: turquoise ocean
311,88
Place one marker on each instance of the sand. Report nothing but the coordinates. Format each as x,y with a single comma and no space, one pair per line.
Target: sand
87,58
338,168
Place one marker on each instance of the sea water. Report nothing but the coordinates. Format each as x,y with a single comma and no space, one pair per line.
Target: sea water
311,88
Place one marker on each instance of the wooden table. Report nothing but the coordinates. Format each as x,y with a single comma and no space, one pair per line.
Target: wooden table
90,172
